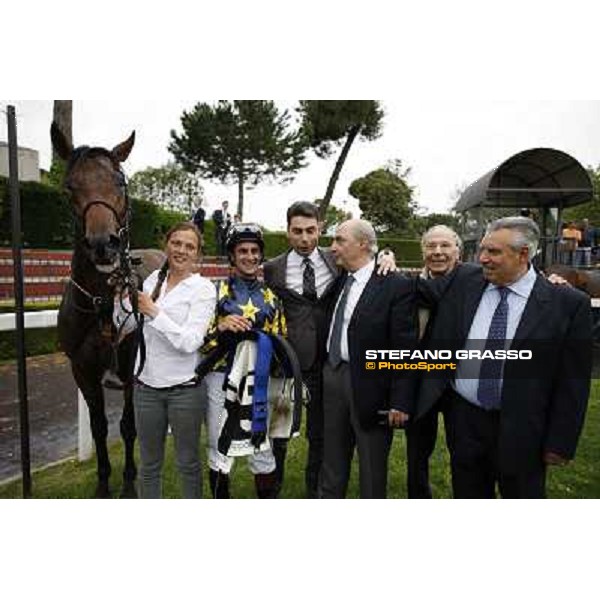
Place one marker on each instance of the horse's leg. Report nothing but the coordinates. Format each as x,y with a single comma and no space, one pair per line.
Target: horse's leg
125,363
128,433
90,387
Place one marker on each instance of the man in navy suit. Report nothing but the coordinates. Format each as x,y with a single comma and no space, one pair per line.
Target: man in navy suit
506,426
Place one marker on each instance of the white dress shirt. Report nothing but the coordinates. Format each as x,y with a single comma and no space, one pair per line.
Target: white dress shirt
175,334
361,277
294,272
467,381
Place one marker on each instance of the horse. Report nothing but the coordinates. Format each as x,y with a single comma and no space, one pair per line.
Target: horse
101,266
586,280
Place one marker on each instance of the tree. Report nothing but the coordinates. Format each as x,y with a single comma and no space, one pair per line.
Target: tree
169,186
243,142
62,115
590,210
334,215
424,222
329,123
386,199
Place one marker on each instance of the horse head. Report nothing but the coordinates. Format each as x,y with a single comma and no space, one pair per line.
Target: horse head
97,187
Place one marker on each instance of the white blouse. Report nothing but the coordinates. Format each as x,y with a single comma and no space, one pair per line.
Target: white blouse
175,334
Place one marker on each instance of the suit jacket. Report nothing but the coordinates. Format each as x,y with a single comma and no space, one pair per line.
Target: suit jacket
538,414
219,219
384,318
304,317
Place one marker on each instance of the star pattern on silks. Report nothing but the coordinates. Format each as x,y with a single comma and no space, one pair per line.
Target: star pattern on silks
268,296
249,310
223,290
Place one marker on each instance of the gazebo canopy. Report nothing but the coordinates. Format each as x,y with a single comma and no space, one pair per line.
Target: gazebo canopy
536,178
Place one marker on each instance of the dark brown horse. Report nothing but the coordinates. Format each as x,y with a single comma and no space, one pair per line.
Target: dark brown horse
101,262
587,280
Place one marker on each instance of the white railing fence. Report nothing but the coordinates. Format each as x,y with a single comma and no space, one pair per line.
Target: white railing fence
44,319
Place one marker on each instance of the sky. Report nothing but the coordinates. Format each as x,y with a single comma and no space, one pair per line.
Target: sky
447,144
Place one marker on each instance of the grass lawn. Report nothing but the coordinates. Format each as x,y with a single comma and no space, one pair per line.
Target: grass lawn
71,479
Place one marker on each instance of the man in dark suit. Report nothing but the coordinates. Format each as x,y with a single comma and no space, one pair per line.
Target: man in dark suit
199,216
368,311
441,248
222,221
302,278
505,428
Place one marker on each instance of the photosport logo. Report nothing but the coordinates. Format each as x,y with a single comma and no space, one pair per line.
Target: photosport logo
435,360
516,359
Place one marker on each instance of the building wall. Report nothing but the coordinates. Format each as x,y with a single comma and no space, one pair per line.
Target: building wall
28,160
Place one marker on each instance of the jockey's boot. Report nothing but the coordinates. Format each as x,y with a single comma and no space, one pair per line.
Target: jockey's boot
266,485
279,448
219,485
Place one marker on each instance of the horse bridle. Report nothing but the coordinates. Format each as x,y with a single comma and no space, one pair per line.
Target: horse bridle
121,181
123,276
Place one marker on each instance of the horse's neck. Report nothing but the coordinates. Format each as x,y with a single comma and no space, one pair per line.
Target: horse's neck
84,272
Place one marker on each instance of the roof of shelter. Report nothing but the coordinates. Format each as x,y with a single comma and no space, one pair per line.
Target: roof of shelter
536,178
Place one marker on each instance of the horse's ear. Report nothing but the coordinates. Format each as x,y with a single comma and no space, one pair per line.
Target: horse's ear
59,142
121,151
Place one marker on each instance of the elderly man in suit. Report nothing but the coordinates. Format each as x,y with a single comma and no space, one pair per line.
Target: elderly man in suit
441,247
505,428
367,311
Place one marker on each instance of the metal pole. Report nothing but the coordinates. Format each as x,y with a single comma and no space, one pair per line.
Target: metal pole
13,170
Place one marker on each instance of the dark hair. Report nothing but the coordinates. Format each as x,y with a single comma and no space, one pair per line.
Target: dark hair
302,209
162,273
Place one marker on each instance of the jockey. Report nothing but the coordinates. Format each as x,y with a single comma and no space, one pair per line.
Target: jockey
244,304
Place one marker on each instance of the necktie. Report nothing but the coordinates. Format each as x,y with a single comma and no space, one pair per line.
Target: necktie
309,288
335,344
489,392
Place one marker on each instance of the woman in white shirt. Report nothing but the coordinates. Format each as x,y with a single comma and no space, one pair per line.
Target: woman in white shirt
178,306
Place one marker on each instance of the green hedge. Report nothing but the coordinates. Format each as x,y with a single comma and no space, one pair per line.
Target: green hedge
408,252
45,213
48,223
48,220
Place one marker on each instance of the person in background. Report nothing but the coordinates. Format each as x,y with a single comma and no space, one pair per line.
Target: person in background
237,218
571,239
222,221
178,305
199,217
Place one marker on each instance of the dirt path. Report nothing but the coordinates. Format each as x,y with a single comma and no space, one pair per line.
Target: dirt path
52,396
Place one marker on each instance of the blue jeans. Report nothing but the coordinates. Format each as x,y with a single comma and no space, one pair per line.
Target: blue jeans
155,410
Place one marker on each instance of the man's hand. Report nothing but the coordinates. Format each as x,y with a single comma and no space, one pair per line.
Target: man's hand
555,460
397,418
386,263
235,323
